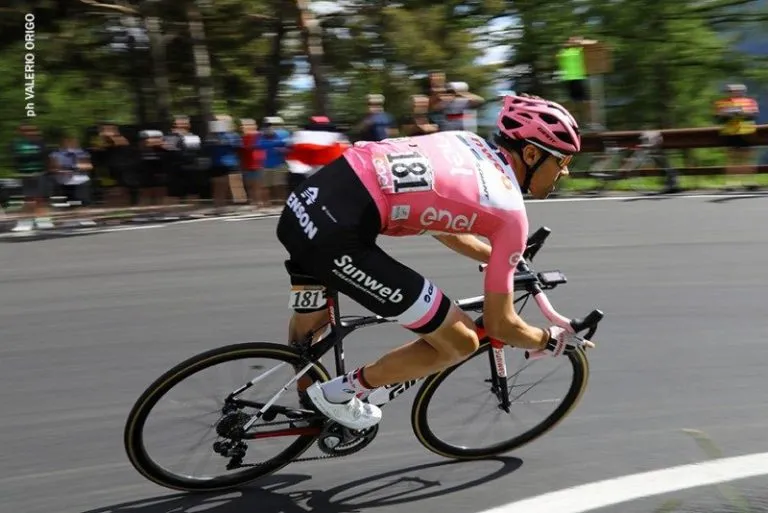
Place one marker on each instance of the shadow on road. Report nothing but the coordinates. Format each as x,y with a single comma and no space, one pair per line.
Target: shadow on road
412,484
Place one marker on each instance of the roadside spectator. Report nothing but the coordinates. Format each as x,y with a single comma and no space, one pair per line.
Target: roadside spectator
274,141
378,124
738,114
573,73
114,162
71,167
252,163
223,145
418,122
455,103
153,173
30,166
185,175
434,91
319,143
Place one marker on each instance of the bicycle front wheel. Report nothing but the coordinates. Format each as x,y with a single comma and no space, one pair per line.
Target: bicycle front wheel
449,420
190,429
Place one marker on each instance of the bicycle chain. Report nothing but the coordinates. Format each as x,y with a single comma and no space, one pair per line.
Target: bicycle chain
324,456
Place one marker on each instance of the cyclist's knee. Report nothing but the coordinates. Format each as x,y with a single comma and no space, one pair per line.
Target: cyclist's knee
456,338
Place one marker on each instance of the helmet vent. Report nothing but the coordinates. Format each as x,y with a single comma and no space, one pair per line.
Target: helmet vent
563,136
511,124
548,118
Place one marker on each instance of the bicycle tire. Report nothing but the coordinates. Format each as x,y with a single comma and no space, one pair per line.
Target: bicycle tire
428,439
133,432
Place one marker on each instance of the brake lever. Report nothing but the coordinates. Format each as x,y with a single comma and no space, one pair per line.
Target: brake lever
589,322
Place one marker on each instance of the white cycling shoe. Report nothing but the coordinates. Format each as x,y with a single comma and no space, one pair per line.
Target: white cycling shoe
354,414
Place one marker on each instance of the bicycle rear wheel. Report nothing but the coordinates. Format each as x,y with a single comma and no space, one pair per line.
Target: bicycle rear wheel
427,417
222,417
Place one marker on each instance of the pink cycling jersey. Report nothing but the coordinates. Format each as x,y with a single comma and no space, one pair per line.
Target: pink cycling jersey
449,182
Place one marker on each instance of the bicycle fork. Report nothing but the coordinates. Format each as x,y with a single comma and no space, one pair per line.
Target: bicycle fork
499,374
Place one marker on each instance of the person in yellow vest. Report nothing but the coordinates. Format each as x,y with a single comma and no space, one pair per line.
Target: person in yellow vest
573,72
737,113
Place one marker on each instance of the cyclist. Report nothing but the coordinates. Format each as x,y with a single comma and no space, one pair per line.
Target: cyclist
453,185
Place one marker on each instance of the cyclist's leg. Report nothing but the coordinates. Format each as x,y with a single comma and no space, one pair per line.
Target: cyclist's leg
391,289
302,324
313,314
309,318
454,340
321,211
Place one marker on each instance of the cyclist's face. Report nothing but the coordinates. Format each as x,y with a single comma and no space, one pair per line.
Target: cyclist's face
547,175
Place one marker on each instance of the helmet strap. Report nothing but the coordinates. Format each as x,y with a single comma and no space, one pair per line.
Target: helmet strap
531,170
516,146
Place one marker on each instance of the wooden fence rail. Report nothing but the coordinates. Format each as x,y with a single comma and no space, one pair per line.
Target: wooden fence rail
675,138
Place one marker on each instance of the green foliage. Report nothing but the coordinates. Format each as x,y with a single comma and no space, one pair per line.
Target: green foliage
669,58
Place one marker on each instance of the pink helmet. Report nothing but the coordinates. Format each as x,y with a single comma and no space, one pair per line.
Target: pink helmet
540,122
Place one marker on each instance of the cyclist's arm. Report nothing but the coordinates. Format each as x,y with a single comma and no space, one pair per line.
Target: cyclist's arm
500,318
467,245
503,323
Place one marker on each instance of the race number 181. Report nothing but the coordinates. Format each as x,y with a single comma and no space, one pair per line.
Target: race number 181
306,297
410,172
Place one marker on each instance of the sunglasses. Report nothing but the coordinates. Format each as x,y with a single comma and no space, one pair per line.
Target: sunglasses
562,160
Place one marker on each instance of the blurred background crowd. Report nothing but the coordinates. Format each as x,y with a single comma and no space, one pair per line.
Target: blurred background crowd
234,102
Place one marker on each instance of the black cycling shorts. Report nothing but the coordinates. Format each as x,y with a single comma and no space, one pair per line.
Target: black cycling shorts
329,226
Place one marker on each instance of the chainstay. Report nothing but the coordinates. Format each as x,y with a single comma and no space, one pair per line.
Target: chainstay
311,458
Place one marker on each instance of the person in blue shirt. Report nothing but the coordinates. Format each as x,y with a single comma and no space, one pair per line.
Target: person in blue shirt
274,141
222,146
378,124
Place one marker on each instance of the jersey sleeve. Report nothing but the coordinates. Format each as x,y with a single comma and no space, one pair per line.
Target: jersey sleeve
507,247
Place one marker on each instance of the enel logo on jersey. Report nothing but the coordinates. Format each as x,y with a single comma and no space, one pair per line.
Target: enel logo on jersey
449,221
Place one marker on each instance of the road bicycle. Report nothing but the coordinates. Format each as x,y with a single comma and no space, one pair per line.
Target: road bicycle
617,162
238,425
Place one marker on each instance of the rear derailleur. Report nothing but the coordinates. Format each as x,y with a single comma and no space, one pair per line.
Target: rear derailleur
230,427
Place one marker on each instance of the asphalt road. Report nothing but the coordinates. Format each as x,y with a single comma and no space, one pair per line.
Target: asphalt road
87,322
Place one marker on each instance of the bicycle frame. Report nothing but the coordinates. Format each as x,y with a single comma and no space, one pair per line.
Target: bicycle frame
526,280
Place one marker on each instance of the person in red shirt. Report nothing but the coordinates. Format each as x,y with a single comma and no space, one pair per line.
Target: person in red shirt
316,145
252,163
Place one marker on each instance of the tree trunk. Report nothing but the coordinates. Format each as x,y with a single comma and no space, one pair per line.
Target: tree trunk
160,70
312,36
203,80
137,84
275,66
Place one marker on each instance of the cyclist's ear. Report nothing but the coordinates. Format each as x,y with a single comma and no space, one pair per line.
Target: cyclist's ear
531,154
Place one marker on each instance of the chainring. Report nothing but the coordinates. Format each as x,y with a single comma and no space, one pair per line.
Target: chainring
348,441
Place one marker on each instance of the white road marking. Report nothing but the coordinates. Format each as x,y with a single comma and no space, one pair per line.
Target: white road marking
198,220
640,197
600,494
127,228
250,217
